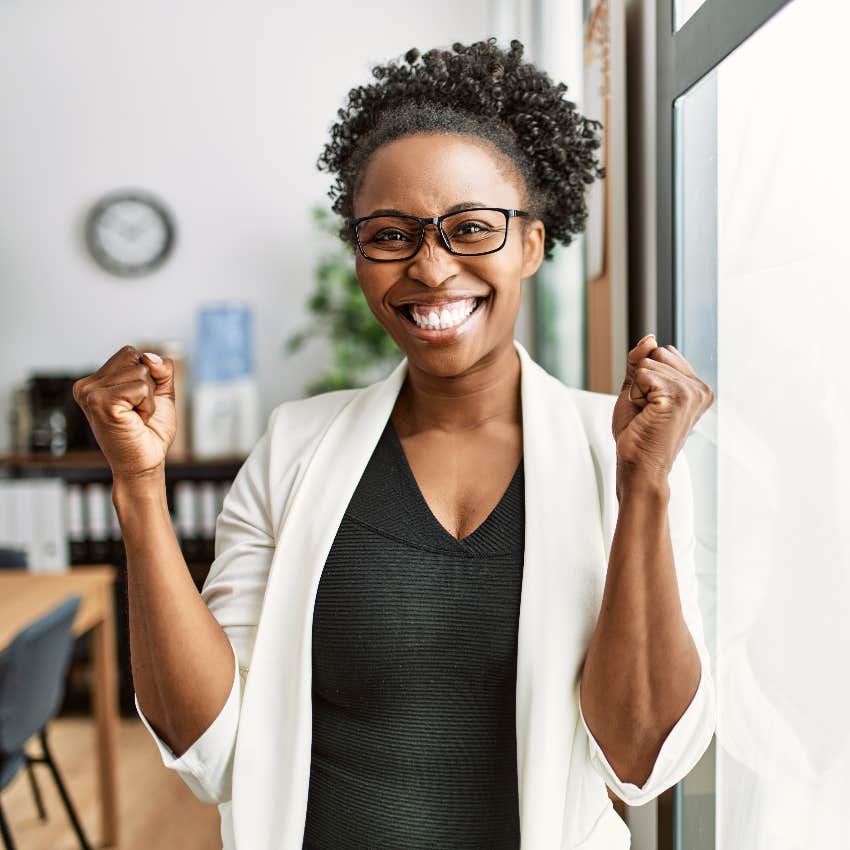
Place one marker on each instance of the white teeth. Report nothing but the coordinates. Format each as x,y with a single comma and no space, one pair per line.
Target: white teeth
445,318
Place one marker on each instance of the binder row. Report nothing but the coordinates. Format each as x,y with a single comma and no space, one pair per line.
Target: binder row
60,524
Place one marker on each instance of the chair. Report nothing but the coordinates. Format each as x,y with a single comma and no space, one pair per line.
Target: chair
17,558
32,680
14,558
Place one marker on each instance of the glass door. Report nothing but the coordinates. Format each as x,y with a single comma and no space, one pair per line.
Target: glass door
754,289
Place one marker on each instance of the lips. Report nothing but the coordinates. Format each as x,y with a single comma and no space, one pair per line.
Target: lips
438,334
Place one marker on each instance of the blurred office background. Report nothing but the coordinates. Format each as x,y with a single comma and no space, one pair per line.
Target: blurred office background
720,227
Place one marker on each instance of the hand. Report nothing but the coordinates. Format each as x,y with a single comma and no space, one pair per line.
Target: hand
129,403
660,402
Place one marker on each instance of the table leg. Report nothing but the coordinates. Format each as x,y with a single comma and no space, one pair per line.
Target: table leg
105,705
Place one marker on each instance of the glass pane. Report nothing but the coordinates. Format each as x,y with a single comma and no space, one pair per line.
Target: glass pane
763,295
683,10
696,255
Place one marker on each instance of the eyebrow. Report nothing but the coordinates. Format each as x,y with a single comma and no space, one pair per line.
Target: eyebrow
463,205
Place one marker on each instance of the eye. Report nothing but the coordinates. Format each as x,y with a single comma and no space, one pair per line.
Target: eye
469,227
389,235
472,230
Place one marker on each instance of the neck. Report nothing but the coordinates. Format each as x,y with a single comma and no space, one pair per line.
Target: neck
486,394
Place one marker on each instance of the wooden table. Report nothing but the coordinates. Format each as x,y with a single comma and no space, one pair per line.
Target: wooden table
26,596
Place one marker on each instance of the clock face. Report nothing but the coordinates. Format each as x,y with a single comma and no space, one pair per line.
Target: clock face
129,233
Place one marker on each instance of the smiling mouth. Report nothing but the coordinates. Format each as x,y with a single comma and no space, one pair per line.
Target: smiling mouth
405,311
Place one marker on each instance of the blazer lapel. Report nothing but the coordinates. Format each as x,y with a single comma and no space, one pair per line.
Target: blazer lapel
560,593
271,770
561,588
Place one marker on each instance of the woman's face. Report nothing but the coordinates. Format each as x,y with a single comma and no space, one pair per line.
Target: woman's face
428,174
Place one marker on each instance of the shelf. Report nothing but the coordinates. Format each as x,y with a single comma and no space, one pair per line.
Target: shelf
90,464
84,467
92,457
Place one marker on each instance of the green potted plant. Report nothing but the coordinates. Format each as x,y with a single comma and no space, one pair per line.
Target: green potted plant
362,350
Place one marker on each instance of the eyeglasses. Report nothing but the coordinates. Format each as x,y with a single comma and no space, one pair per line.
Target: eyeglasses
468,233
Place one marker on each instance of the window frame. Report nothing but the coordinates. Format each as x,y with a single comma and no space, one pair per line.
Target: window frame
683,58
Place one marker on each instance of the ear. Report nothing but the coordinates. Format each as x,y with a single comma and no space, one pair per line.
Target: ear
533,240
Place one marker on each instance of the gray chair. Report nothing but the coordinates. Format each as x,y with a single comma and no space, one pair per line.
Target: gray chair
32,681
14,558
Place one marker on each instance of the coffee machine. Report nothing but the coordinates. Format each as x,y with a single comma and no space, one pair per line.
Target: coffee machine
46,417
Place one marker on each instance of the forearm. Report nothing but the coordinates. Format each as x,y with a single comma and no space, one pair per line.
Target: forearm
181,659
642,667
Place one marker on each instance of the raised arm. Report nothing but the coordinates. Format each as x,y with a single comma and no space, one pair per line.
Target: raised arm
182,662
189,652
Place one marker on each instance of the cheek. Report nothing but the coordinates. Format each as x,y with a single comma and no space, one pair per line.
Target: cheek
374,283
502,273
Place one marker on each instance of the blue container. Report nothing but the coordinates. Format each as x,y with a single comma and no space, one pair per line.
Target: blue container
225,350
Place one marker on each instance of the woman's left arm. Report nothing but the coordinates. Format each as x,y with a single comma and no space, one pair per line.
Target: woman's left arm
643,668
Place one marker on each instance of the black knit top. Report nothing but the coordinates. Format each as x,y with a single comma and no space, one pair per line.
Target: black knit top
414,672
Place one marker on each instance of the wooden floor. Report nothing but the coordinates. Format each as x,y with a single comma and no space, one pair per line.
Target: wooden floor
158,811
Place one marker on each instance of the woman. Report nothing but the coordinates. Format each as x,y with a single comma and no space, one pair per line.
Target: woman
408,583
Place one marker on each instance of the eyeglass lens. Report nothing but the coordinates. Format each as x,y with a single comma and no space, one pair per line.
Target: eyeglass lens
468,232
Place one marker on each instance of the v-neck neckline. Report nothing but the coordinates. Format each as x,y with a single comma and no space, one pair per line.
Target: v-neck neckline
481,529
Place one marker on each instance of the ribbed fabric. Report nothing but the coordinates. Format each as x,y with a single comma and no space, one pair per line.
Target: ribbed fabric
414,672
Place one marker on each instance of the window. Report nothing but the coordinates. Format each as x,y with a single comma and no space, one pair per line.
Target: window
753,288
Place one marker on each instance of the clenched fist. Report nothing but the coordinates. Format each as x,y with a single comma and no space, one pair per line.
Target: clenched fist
129,403
661,400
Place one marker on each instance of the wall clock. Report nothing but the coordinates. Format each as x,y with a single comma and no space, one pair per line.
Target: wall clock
130,232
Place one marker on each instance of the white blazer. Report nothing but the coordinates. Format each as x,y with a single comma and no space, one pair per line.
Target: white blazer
274,532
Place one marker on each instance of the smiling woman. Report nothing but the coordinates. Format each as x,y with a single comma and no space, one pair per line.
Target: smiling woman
429,553
457,171
456,174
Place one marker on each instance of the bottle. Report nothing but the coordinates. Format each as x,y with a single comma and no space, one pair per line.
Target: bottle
225,405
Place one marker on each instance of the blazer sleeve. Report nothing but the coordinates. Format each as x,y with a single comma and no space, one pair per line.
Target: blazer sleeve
690,737
233,591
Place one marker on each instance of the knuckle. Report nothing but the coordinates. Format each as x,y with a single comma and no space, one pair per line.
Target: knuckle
92,398
81,390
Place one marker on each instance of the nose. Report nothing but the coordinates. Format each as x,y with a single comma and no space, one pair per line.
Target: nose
433,263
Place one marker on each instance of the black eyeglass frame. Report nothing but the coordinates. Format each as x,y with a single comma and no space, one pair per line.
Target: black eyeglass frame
437,221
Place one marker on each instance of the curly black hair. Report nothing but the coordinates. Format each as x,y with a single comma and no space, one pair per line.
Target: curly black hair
477,89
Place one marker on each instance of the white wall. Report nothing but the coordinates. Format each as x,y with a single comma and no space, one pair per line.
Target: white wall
221,108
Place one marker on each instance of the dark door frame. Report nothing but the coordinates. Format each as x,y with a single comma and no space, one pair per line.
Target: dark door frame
682,59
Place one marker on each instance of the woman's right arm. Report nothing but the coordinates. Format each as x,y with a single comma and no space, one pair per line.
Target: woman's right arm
190,652
182,662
